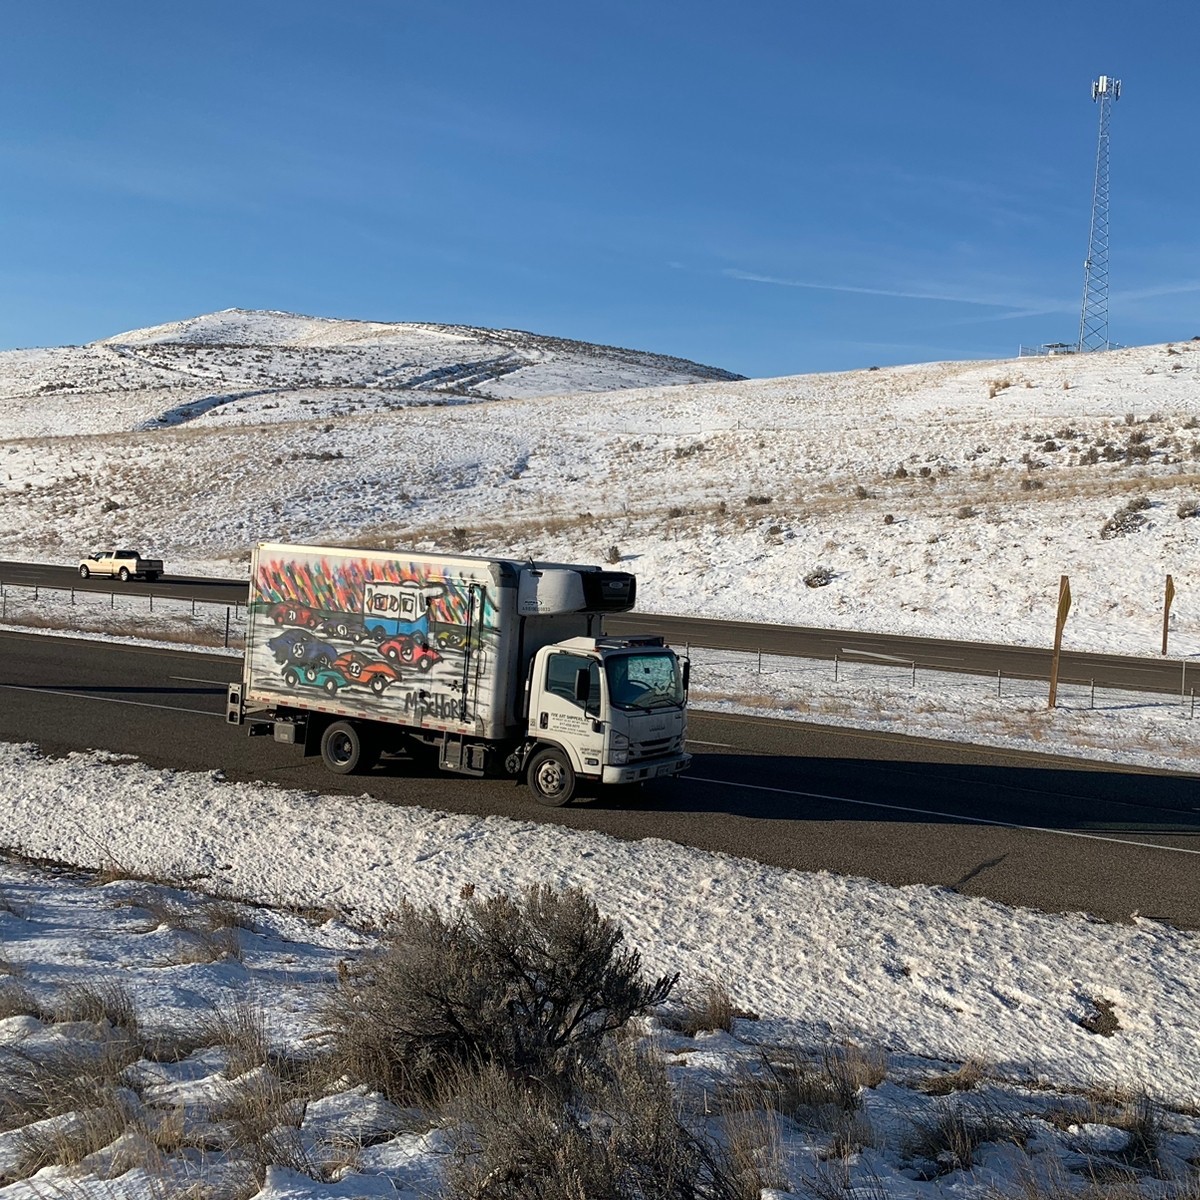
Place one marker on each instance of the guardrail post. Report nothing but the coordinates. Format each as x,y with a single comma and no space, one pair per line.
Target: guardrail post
998,677
1183,680
193,606
1193,704
914,682
835,666
72,595
1093,693
227,627
151,601
112,599
760,662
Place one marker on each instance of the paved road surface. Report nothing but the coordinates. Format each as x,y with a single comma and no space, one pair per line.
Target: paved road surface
1017,828
1106,670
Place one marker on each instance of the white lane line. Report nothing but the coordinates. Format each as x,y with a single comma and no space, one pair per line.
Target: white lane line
200,712
929,812
720,745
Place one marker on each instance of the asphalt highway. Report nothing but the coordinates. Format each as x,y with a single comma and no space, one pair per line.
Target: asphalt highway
1169,676
1017,828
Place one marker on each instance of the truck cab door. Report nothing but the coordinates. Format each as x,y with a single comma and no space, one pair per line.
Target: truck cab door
563,712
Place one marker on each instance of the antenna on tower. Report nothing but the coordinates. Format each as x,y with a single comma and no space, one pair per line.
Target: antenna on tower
1093,320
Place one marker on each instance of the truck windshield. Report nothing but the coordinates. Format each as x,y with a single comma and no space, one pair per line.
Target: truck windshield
644,680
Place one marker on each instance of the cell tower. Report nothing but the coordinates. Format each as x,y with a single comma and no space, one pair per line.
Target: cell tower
1093,320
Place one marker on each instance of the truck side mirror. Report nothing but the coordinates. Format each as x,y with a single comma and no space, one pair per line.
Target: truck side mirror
583,685
687,672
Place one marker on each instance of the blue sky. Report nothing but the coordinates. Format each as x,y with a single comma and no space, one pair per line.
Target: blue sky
769,187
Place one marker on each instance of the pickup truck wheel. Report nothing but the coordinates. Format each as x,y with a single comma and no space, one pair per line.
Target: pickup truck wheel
123,574
84,572
551,778
347,749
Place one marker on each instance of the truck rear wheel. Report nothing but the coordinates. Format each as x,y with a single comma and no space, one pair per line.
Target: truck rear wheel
347,748
123,574
551,778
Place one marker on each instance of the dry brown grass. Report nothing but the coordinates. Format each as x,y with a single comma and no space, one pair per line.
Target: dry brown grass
817,1092
16,1000
241,1031
707,1007
108,1002
947,1139
965,1079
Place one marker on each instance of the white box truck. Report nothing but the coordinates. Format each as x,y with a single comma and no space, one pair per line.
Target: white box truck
486,666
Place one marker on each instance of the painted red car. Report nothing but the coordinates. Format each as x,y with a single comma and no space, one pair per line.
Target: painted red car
357,668
287,613
409,651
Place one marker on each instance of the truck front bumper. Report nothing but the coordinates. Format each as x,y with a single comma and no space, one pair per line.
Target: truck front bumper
650,768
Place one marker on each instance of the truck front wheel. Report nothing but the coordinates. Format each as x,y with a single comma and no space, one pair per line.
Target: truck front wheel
347,749
83,571
551,778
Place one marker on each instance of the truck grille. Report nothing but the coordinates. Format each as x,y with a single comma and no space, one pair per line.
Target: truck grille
655,749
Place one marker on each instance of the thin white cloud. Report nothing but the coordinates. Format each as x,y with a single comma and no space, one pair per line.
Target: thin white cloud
1166,289
898,293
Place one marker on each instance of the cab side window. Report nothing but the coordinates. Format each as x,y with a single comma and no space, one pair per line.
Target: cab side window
561,670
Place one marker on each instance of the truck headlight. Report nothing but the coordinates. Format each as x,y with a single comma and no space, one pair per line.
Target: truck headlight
618,748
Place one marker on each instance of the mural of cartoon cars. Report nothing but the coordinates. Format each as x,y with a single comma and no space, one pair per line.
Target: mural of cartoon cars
357,668
410,651
288,613
299,647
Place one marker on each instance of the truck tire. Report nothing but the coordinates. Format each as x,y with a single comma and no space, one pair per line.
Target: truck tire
123,574
83,572
348,749
551,778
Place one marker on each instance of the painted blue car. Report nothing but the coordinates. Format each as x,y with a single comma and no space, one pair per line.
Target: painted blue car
296,646
318,676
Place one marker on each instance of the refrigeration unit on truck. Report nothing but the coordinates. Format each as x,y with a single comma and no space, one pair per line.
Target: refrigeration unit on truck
485,666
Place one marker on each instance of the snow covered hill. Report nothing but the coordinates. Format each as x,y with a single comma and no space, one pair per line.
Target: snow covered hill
943,499
171,374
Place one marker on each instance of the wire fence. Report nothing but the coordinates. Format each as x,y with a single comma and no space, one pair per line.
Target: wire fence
218,623
909,680
124,613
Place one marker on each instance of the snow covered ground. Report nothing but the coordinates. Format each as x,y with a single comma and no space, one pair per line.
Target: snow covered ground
945,499
927,978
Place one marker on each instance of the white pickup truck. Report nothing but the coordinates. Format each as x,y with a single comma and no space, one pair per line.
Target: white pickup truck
121,564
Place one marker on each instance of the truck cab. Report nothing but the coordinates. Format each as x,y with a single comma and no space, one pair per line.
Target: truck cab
611,710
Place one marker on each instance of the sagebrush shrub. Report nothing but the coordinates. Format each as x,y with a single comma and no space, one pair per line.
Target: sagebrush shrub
533,984
622,1138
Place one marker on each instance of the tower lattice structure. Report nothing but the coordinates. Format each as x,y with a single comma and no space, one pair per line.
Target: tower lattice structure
1093,320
